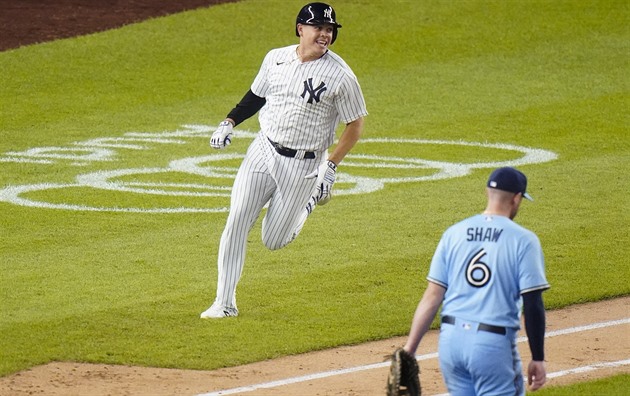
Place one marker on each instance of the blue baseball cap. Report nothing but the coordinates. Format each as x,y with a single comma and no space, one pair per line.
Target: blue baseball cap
511,180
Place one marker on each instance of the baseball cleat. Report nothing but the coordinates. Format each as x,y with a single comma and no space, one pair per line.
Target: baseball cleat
217,311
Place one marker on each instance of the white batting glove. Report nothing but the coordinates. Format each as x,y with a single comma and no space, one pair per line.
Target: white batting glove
222,137
326,174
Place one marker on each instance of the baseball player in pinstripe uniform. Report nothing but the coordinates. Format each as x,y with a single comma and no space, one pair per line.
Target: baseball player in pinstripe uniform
485,270
303,92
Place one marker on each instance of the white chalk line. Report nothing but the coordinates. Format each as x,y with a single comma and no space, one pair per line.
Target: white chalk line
332,373
578,370
592,367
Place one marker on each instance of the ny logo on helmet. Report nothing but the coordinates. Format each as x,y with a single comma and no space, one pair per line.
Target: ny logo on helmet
328,13
314,93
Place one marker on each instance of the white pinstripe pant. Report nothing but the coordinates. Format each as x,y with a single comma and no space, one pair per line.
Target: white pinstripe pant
264,176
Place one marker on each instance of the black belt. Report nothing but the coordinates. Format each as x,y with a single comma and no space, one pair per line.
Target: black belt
287,152
482,326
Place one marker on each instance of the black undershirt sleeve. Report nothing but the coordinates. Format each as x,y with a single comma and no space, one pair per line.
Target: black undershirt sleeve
247,107
534,312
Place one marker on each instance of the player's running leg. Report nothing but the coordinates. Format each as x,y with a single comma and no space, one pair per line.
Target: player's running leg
253,186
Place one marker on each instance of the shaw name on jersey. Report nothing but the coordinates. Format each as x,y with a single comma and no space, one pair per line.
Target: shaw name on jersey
483,234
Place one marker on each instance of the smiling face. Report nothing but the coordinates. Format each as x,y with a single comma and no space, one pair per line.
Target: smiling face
314,40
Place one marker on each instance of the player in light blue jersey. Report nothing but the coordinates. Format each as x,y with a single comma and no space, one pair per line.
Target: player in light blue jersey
486,270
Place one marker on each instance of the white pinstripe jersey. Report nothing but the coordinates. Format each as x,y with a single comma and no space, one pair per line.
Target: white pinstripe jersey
306,101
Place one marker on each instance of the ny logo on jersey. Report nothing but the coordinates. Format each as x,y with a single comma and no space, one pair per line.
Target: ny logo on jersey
314,93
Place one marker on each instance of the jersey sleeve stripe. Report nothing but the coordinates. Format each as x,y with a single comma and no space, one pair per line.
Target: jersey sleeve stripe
531,289
437,282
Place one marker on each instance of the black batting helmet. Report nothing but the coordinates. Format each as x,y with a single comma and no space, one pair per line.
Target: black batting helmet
317,14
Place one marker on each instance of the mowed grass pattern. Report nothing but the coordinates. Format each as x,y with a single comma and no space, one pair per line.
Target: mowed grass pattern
127,288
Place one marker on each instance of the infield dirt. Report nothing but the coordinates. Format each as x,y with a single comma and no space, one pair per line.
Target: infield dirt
580,355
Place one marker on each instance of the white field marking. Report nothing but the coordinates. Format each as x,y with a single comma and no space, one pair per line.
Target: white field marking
446,169
209,166
65,153
25,160
580,329
591,367
332,373
121,142
577,370
12,194
51,155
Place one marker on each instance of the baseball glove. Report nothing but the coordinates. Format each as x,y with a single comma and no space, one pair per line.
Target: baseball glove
404,375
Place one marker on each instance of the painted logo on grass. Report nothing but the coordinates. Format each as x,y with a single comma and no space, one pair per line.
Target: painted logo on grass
206,180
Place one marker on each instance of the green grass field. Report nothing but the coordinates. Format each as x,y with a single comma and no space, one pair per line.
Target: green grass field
110,235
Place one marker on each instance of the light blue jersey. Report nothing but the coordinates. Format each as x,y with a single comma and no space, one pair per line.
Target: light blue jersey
485,263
